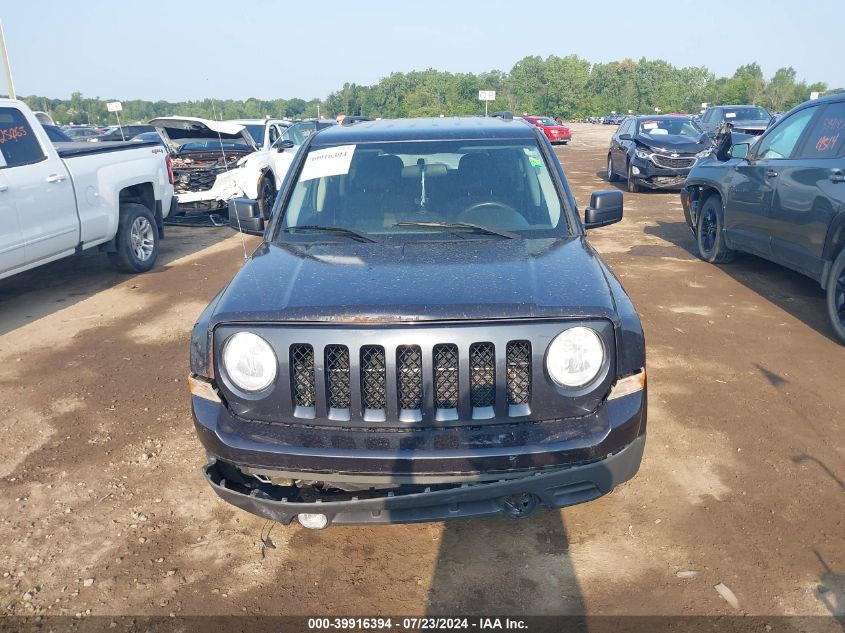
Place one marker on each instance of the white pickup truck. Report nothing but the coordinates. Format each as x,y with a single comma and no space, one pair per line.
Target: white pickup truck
58,202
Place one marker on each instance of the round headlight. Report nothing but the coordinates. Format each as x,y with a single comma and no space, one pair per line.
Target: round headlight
575,357
249,361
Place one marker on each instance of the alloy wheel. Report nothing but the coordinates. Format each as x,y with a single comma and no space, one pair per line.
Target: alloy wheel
142,239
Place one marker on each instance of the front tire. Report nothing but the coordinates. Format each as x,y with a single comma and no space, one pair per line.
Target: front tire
136,240
611,177
266,195
836,297
710,233
633,185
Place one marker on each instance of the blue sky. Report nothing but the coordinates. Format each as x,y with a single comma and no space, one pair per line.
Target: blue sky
236,49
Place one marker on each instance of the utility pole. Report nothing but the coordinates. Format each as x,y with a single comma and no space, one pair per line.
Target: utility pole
9,82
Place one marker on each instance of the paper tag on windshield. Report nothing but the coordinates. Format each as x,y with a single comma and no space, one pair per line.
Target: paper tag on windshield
649,126
730,115
332,161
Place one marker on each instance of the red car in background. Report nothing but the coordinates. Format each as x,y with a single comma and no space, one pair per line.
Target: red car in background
554,131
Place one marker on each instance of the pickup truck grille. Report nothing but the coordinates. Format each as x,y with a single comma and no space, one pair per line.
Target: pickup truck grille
672,163
405,362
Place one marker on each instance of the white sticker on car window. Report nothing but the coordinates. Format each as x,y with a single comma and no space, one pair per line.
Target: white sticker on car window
730,115
649,126
332,161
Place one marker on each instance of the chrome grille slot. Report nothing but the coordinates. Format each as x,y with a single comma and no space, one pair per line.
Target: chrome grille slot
518,363
409,382
302,380
373,382
482,379
338,391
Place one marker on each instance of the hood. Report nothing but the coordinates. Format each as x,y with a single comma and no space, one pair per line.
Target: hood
675,143
418,281
177,131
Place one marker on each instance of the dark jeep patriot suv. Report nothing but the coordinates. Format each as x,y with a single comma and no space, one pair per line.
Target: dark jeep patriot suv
423,334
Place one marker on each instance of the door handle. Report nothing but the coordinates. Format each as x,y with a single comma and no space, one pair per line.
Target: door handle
836,175
55,178
771,173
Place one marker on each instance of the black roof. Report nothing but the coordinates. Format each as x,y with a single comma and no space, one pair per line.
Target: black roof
446,128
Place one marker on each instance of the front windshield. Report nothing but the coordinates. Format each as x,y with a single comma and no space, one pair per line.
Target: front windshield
204,145
746,114
257,134
675,127
388,189
545,122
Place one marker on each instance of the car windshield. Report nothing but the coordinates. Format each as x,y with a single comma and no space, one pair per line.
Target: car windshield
546,121
214,146
256,131
426,190
676,127
746,114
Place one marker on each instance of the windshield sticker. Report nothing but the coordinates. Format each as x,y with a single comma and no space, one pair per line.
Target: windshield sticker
332,161
536,163
730,115
649,125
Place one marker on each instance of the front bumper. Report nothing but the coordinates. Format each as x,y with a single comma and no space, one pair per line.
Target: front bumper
554,489
655,177
469,471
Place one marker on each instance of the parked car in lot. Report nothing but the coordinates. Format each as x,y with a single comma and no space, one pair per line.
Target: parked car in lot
554,131
55,134
122,133
656,152
82,133
746,119
781,197
424,333
56,203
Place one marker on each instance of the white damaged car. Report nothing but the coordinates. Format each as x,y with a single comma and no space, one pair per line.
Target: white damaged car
215,161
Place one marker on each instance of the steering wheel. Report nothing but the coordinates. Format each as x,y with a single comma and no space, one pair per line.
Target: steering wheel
505,216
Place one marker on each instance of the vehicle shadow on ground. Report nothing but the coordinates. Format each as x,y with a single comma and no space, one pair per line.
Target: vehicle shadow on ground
800,296
619,184
505,567
831,590
36,293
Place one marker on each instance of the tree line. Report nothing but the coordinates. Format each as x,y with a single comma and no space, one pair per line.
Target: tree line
569,87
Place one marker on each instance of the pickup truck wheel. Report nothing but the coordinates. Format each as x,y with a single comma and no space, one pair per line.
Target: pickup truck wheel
836,297
136,240
266,196
710,236
611,177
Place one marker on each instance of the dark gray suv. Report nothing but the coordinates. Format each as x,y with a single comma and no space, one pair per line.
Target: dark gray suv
424,333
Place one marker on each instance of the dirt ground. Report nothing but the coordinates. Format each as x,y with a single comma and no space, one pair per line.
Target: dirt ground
105,511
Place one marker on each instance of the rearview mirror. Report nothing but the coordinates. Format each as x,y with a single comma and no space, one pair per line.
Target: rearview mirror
245,216
605,208
740,150
624,137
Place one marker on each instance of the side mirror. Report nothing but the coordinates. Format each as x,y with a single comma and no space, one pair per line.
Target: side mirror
244,216
740,150
605,208
284,145
624,137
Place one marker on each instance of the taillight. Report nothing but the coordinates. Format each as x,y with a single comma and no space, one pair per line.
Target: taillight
169,169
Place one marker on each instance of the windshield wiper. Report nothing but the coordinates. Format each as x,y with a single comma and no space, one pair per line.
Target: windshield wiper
465,226
337,230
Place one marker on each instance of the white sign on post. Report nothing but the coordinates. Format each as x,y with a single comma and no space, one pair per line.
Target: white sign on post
486,95
114,106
